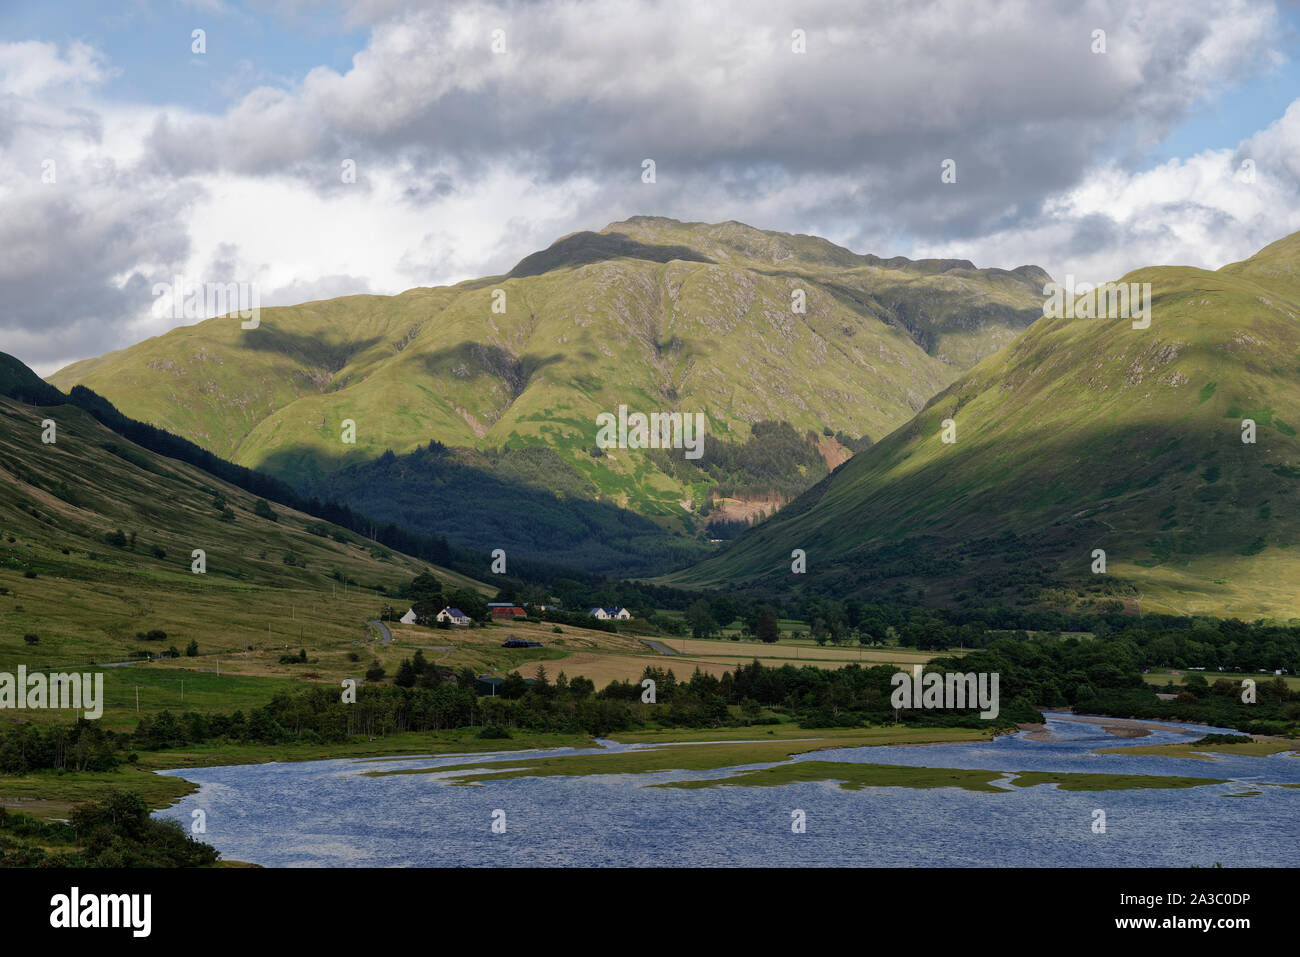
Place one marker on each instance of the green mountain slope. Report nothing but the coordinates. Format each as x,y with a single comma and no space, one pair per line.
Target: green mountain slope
650,313
86,595
1085,434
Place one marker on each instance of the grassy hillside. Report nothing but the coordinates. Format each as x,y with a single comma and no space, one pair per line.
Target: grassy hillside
88,596
651,313
1085,434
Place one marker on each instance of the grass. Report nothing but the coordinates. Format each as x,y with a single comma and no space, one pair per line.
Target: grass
1107,782
698,755
1205,752
50,794
853,777
1168,676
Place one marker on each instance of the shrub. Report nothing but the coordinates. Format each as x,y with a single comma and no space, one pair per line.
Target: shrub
115,538
159,552
494,731
31,639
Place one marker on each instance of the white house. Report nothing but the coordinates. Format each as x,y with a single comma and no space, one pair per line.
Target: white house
453,615
409,617
604,613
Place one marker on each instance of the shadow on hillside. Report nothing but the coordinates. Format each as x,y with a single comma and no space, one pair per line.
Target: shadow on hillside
584,248
470,360
1156,493
434,491
308,349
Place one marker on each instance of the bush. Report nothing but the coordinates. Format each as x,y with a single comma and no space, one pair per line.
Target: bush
159,552
375,672
494,731
115,538
31,639
29,573
263,510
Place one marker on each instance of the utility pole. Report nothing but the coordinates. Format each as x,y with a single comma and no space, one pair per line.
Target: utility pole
137,699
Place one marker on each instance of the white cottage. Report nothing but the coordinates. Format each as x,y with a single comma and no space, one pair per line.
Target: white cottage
453,615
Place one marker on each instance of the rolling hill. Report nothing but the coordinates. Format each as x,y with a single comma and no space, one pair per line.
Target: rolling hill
649,313
1084,434
273,575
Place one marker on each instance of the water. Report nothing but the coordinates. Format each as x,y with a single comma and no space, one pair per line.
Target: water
326,813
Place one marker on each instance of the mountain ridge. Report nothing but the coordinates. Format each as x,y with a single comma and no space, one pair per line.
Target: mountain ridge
1083,434
648,313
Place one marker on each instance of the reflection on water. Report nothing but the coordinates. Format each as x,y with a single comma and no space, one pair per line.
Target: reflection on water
327,813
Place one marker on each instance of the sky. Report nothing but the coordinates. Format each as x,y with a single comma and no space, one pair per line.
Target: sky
133,150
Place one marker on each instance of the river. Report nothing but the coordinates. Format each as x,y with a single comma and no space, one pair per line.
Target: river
327,813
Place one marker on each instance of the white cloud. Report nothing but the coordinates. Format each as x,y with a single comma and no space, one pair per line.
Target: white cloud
468,160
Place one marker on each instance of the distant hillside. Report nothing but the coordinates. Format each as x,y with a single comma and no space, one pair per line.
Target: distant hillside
1085,434
97,536
650,313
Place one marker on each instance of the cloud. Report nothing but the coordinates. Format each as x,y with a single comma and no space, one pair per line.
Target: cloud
466,160
1216,207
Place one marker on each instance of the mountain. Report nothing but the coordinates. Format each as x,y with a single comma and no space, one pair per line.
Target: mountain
87,593
1084,434
649,313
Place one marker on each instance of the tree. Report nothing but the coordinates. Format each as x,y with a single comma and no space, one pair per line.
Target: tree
418,664
725,609
406,674
700,615
468,601
263,510
426,588
819,632
192,649
767,628
375,672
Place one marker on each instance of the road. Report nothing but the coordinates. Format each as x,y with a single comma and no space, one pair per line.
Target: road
383,630
662,649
